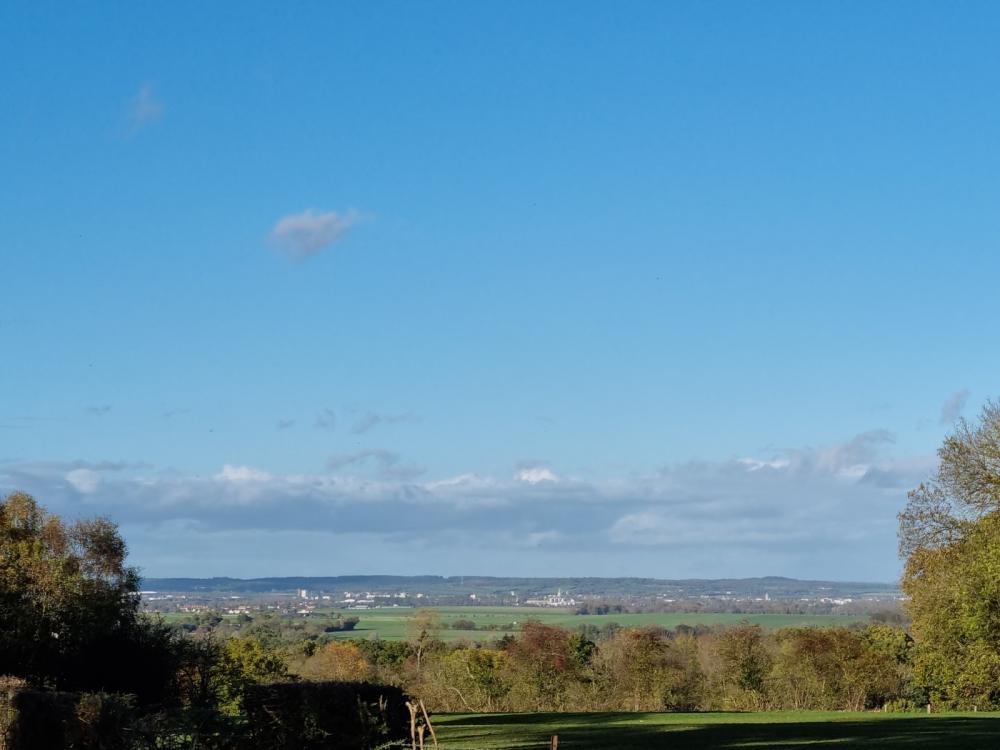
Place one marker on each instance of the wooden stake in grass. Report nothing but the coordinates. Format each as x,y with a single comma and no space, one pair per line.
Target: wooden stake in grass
554,743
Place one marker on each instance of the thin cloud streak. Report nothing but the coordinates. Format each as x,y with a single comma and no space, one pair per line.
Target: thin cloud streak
952,408
372,419
144,109
326,419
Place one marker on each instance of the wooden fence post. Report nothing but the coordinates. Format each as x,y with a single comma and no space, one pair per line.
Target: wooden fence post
427,721
413,725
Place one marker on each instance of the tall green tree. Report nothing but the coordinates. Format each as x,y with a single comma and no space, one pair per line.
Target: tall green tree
950,538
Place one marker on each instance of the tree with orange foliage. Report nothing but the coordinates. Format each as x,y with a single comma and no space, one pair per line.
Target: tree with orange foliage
541,665
337,662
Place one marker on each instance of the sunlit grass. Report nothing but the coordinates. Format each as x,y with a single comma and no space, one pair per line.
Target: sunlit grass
720,731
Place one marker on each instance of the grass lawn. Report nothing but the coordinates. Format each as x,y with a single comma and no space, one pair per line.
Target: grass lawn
720,731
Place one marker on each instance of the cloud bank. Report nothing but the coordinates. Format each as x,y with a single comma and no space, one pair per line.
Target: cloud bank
827,512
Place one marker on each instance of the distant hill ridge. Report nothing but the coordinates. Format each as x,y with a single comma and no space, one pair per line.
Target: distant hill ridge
501,586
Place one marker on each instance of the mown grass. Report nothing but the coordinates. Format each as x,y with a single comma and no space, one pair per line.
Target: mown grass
720,731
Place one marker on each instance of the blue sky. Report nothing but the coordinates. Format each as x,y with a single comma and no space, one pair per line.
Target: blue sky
664,289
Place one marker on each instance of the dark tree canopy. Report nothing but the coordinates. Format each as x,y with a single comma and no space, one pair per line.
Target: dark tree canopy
69,605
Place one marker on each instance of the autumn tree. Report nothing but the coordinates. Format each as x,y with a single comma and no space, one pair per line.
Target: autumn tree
965,488
833,669
423,632
541,665
950,537
466,678
745,662
388,658
69,606
339,662
643,671
242,662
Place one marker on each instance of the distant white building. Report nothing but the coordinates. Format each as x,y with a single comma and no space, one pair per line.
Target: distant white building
553,600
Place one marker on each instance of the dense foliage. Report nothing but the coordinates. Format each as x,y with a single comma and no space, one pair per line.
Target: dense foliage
313,716
82,667
950,536
547,668
69,607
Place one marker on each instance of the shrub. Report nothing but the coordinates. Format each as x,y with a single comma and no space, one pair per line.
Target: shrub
50,720
321,715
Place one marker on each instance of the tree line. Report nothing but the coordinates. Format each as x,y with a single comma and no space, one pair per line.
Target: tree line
547,668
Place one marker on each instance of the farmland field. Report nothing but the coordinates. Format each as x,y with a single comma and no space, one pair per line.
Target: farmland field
493,622
720,731
389,623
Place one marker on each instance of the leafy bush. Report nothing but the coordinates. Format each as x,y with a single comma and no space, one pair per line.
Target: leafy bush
320,715
345,623
50,720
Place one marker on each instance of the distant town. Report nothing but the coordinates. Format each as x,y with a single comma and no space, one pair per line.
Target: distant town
591,596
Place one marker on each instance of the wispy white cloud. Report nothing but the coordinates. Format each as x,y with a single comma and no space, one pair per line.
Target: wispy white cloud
84,480
537,538
388,464
536,474
144,109
232,473
302,235
326,419
953,407
370,420
349,459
